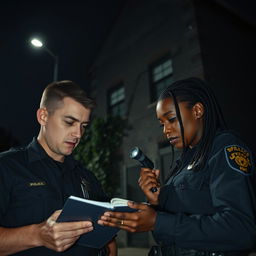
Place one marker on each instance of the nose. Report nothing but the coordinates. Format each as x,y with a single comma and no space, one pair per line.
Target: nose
166,128
77,132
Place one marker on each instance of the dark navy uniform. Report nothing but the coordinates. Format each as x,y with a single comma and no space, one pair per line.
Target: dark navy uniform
33,186
213,209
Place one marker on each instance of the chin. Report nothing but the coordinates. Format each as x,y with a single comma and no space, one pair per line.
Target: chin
67,153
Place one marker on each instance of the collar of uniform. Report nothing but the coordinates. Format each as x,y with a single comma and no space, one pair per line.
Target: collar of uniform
36,152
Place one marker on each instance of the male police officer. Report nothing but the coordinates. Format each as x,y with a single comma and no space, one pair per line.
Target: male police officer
36,180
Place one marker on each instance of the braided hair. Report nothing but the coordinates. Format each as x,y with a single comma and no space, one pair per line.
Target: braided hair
193,90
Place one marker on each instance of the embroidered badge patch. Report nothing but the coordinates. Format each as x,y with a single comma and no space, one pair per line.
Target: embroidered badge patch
238,159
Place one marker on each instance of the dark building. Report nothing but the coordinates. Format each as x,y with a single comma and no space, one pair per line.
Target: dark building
153,43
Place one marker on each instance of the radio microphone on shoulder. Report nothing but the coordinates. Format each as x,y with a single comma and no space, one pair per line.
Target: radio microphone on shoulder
137,154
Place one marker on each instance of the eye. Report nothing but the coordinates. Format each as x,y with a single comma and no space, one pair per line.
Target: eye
84,126
172,119
69,123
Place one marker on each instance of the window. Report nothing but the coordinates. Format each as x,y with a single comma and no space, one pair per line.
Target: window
161,76
116,99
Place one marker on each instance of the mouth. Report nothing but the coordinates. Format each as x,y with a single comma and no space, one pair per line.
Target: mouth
173,140
71,143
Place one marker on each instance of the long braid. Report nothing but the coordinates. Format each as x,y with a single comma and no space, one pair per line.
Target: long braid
193,90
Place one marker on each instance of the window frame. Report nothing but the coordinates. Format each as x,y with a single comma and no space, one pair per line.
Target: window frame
153,84
109,95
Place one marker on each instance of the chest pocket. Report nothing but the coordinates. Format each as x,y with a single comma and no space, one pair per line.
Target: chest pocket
28,193
192,192
32,203
194,181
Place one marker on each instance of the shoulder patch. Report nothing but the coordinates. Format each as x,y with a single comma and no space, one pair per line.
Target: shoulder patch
238,159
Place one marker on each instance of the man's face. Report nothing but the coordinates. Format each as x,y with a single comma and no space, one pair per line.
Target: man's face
62,130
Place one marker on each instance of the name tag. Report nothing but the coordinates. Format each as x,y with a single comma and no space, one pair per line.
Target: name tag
35,184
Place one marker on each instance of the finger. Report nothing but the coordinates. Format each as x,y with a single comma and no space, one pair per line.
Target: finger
76,225
59,236
157,173
50,222
138,206
147,185
151,177
143,169
55,215
128,215
64,244
147,173
72,234
148,181
113,222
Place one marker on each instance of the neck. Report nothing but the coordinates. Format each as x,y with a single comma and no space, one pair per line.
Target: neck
49,152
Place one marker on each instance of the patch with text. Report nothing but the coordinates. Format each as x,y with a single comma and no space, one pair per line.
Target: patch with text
238,159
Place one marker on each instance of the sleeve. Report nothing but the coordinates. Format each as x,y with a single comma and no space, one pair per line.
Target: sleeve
232,226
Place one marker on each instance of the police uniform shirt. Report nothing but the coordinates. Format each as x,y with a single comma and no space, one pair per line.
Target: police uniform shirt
212,209
33,186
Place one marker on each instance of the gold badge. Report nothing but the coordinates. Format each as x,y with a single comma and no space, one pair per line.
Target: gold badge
238,159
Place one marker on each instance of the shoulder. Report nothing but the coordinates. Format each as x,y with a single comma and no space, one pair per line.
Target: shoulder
229,148
13,154
226,139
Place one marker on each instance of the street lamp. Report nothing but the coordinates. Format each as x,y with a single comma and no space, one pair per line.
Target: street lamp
38,43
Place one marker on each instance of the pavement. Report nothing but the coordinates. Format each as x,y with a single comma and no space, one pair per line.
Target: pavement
128,251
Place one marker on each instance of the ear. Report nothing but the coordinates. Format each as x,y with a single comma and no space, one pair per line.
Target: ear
198,110
42,116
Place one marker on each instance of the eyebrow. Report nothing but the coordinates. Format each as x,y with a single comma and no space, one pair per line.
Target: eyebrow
166,114
76,120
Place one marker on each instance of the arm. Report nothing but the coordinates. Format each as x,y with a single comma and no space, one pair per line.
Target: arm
55,236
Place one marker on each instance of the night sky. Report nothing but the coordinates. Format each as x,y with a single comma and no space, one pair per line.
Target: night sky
73,31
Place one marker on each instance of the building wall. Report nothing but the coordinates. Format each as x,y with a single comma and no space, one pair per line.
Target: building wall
227,33
145,31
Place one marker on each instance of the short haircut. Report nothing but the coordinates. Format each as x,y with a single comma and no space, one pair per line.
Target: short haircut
55,92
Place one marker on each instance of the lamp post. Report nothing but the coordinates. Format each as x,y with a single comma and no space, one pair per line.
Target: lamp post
38,43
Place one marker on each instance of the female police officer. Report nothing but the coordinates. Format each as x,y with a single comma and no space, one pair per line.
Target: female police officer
207,205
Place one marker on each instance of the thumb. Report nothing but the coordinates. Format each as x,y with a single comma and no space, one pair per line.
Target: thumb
55,215
138,206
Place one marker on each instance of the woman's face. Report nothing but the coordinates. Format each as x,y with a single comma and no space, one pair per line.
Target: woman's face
192,119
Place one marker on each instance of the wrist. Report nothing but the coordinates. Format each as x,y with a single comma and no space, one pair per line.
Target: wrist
153,202
35,237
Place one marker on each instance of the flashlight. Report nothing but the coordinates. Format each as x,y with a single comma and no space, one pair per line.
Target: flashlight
137,154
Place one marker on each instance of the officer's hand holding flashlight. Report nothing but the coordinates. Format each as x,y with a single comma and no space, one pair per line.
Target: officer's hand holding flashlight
150,179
